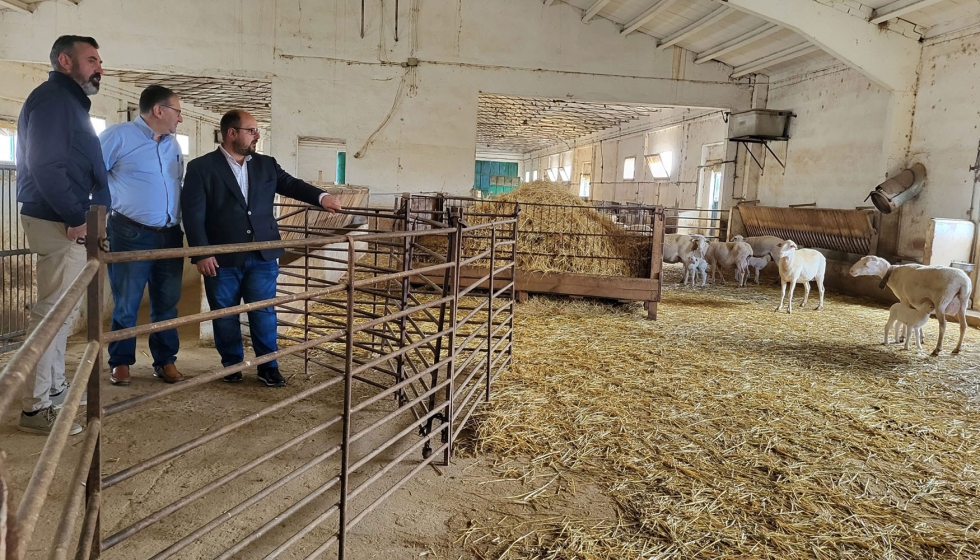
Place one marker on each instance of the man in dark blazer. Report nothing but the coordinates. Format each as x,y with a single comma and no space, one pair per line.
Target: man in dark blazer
227,198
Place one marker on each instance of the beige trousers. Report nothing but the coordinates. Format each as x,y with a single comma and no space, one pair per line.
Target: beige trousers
59,261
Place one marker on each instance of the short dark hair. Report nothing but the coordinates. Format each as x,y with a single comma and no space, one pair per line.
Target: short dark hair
231,119
153,96
65,44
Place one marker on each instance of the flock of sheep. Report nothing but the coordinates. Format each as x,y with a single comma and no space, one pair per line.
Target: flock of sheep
921,290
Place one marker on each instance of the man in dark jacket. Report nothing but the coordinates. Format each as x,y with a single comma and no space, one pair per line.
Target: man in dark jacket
60,173
227,198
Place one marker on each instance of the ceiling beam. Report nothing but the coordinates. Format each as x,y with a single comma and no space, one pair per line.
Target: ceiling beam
775,58
640,20
889,59
695,27
17,6
592,11
899,8
737,43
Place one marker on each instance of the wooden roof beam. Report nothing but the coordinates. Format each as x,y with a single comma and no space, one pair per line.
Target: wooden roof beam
698,26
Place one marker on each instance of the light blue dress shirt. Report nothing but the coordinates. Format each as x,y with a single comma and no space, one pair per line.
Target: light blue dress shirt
144,175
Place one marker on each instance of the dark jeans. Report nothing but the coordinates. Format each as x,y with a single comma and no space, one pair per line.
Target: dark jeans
253,282
128,281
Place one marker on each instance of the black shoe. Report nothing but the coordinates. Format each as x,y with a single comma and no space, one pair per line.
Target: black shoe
233,378
271,377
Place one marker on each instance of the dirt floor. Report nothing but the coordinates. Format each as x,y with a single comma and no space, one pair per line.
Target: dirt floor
504,498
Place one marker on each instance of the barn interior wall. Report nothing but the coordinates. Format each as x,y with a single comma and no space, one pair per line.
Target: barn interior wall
330,82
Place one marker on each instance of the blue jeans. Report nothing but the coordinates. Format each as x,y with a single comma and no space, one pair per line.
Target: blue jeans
253,282
128,281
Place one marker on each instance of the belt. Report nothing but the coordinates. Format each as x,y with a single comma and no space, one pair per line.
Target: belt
134,223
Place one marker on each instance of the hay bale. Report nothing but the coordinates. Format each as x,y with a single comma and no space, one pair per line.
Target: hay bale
560,233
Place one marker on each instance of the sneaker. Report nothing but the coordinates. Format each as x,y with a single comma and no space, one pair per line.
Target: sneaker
233,378
58,399
271,377
43,421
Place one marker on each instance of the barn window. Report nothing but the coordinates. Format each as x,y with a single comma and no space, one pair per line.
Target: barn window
629,168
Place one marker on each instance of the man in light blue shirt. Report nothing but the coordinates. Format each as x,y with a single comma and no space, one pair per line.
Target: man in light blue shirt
145,168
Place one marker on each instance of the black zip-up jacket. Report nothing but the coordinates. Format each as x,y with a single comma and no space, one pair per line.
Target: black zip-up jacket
60,170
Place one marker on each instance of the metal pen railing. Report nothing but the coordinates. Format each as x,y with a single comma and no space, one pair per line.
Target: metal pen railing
381,334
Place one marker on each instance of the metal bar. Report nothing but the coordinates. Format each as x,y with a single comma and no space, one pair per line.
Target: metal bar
127,404
348,397
36,492
90,527
131,530
26,358
143,466
76,492
773,154
211,250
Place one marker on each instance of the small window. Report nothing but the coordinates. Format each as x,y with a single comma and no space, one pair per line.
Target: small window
659,165
534,175
553,174
563,174
185,144
629,168
98,124
8,143
527,176
585,185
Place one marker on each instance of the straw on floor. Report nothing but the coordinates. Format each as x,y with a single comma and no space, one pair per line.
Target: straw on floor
725,430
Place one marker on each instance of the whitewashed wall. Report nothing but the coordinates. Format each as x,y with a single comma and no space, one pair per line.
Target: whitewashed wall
330,82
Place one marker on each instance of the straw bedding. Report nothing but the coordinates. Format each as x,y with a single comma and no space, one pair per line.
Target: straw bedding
724,430
575,239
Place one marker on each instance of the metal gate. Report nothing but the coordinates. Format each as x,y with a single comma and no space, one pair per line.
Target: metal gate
17,290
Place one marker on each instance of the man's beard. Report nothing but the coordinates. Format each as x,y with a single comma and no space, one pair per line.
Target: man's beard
245,150
91,85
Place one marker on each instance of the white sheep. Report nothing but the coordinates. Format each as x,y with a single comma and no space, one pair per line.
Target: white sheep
762,244
800,265
758,263
913,319
733,254
681,248
697,265
947,290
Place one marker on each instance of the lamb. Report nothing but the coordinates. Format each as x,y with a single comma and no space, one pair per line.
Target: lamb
800,265
913,319
758,263
732,254
947,290
681,248
697,265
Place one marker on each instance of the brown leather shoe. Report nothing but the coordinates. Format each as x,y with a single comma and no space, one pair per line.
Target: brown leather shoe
120,376
168,373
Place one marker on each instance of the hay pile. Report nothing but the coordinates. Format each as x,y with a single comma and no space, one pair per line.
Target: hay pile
724,430
576,239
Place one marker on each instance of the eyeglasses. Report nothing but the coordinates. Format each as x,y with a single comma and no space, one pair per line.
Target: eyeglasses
252,131
179,111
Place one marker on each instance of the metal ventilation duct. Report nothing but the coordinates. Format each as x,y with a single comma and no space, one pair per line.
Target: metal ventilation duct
894,192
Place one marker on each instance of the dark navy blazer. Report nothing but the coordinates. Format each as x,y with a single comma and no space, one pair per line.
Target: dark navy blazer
215,212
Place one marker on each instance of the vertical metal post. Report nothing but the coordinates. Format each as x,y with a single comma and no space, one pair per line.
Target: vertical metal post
306,288
493,254
457,257
348,382
406,287
95,236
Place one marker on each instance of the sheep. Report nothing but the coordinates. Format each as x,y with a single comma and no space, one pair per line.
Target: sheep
681,248
728,255
944,288
697,265
762,245
800,265
758,263
913,319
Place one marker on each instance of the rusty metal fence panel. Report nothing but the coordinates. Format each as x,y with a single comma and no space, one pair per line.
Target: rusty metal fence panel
17,266
847,231
394,362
